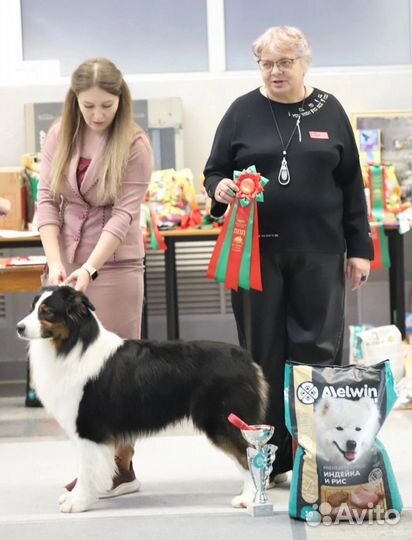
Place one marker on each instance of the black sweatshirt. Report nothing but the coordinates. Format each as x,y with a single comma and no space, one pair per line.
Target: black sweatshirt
323,208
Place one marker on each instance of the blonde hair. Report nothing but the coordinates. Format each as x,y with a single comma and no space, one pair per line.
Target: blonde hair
103,74
279,38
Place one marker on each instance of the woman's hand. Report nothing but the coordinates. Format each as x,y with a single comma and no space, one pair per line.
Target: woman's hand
56,273
225,191
79,279
357,271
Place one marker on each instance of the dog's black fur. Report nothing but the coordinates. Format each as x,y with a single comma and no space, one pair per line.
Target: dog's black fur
143,386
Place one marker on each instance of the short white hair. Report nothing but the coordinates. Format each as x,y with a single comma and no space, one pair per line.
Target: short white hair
278,38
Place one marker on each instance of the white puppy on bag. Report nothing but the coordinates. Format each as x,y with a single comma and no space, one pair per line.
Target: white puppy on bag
345,429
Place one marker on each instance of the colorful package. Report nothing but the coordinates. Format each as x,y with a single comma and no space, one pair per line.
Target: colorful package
355,343
383,342
172,196
341,470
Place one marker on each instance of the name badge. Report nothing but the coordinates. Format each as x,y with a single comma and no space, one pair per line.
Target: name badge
318,134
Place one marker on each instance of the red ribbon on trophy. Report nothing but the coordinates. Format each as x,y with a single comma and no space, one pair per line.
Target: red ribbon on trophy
236,258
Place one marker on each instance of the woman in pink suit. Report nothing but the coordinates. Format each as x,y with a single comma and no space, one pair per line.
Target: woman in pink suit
95,169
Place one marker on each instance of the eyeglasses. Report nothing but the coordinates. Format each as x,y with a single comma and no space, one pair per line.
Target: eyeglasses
283,65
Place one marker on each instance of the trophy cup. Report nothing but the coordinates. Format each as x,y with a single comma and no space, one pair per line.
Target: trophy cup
260,459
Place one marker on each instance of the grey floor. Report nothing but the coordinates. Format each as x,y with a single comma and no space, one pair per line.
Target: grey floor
187,487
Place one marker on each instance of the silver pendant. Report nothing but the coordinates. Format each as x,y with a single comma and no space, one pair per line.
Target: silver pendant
284,176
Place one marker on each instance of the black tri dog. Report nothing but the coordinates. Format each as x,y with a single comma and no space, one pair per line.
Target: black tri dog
104,390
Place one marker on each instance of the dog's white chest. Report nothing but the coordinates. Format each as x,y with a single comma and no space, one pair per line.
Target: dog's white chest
56,384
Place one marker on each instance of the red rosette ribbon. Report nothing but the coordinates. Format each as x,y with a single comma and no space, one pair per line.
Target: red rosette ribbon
236,258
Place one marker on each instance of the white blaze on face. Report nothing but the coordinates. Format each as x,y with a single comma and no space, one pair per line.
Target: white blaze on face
32,327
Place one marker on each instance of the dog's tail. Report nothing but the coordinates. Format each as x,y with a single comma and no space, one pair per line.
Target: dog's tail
263,391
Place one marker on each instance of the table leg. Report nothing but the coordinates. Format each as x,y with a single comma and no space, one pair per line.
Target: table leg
397,279
171,290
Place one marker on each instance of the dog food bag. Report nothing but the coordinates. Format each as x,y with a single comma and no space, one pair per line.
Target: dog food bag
341,470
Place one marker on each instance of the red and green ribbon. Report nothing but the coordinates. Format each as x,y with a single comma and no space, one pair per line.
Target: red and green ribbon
156,239
236,258
379,238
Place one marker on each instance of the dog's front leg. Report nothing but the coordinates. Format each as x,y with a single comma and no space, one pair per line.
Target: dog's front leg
96,470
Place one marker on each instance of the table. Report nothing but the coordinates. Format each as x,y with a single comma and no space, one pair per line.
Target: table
172,302
26,278
396,271
396,274
16,279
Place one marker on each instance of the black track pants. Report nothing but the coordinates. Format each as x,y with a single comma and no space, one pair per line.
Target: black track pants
298,316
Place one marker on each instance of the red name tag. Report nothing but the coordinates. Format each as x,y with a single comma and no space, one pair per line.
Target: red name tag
318,134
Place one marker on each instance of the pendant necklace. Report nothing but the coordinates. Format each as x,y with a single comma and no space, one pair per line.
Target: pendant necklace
284,175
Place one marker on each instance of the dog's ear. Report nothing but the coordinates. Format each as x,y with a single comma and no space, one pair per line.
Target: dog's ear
323,406
370,406
85,300
78,305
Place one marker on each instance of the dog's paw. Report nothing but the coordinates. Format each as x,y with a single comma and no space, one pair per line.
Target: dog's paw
242,500
66,495
72,503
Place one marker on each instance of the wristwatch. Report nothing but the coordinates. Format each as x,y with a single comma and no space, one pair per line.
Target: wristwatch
90,270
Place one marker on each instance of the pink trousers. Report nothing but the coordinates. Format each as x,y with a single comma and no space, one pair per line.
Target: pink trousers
117,294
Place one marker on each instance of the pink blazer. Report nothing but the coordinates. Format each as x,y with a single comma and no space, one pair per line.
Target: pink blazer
80,218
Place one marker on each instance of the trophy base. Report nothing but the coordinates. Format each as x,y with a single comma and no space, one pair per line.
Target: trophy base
260,509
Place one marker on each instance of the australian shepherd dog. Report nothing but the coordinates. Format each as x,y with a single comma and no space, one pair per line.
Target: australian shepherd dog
104,390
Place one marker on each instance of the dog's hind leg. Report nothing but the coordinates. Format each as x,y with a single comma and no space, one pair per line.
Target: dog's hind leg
96,470
245,498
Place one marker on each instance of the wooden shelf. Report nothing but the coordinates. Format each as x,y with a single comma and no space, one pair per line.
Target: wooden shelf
14,279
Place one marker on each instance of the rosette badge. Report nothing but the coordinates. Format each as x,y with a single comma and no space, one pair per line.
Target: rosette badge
235,260
251,185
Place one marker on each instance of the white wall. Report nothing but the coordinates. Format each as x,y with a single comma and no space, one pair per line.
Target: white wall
205,99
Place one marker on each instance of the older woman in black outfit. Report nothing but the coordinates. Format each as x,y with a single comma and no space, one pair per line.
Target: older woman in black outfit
314,212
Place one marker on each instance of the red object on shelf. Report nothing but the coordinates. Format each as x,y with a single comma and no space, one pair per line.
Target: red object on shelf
239,423
194,219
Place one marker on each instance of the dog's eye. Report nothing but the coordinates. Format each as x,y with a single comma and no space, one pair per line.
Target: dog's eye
45,312
358,429
339,428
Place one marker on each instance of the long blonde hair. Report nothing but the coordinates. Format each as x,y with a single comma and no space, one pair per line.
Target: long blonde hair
103,74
